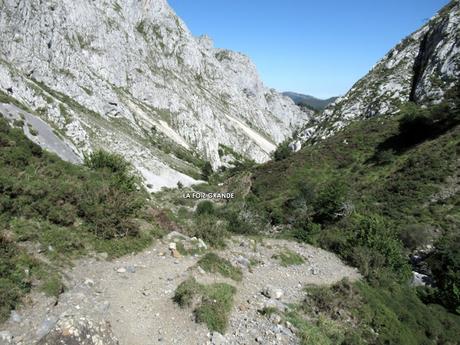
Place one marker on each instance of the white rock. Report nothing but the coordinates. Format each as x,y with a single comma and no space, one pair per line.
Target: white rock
134,72
201,244
89,282
6,336
218,339
271,292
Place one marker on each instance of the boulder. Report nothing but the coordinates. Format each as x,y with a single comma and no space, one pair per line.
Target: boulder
79,331
271,292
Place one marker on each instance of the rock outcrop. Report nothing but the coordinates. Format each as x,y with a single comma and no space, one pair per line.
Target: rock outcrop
128,76
420,69
79,331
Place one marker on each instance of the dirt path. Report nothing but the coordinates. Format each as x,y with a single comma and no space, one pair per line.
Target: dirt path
134,294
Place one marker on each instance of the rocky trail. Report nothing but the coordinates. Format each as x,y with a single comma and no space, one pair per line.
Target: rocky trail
129,299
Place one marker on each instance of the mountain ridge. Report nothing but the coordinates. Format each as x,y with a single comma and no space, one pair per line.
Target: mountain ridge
309,101
420,69
130,77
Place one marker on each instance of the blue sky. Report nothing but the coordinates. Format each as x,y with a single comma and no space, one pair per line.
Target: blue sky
315,47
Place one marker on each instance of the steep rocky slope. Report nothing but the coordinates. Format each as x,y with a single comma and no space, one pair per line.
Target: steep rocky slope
420,69
130,77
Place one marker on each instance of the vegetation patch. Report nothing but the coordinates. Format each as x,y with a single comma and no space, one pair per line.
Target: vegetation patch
357,313
211,304
289,258
213,263
68,209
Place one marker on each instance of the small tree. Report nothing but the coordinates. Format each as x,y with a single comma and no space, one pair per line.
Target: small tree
206,171
282,151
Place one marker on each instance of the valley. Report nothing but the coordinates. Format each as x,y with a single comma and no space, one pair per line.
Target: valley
154,191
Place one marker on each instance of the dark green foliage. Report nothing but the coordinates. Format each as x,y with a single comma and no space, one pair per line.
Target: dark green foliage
15,275
186,292
381,315
114,164
373,244
445,265
40,186
385,157
415,235
282,151
330,201
244,218
205,207
206,171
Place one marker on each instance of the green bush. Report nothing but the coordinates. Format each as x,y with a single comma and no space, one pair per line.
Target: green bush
374,245
211,230
385,157
109,211
120,170
205,207
282,151
68,209
415,235
212,303
330,201
381,315
445,265
206,171
16,269
244,219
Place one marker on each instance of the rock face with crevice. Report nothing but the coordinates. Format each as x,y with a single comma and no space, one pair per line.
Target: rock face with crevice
419,69
128,76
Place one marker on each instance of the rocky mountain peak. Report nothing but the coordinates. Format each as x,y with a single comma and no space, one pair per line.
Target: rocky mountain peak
421,68
128,76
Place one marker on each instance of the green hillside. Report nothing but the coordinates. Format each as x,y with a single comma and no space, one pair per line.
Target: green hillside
68,210
373,193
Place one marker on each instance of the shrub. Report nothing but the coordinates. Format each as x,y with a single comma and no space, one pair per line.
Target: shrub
415,235
307,233
244,220
206,171
282,151
120,169
212,303
211,230
205,207
15,280
330,201
445,265
374,245
385,157
109,211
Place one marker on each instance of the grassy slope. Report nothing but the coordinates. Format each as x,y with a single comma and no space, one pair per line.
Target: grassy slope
399,194
68,209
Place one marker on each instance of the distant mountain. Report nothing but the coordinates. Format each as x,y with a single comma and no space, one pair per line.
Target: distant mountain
309,101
